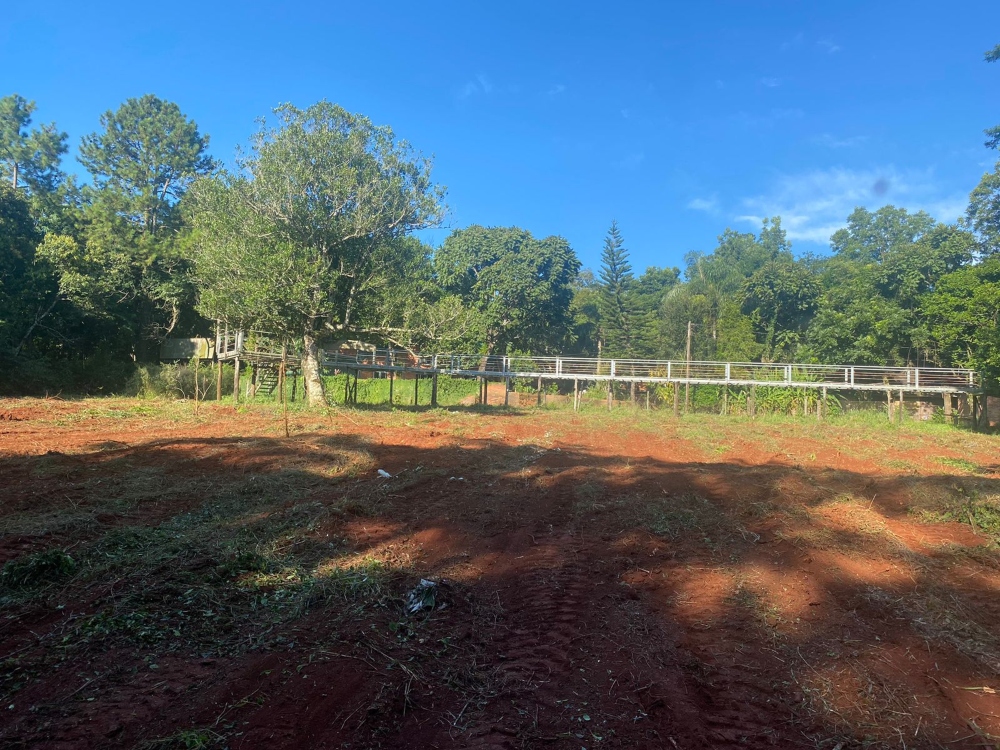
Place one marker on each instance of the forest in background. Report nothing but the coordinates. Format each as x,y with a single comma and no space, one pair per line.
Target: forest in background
314,234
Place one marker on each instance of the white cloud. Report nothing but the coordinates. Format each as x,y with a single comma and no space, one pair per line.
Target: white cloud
774,116
481,85
626,114
557,89
813,205
770,82
708,205
795,41
829,46
831,141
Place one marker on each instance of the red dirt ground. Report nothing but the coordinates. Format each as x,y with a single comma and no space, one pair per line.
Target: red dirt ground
686,584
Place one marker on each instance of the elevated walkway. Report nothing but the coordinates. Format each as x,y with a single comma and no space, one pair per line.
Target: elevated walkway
581,369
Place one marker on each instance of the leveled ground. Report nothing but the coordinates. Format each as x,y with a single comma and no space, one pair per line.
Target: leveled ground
603,580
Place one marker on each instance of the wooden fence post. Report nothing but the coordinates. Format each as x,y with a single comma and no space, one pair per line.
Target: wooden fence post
434,381
236,380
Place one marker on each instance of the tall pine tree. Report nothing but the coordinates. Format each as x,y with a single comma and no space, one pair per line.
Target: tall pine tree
617,308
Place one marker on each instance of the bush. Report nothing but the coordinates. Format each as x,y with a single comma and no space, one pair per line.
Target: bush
177,381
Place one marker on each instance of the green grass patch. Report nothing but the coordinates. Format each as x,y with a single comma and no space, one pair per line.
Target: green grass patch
37,570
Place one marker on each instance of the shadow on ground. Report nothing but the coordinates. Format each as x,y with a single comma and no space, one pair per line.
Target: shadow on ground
248,592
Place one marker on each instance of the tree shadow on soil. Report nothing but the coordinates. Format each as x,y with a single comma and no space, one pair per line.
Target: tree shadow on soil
248,592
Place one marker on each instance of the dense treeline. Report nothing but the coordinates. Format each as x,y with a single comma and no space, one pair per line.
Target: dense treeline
311,235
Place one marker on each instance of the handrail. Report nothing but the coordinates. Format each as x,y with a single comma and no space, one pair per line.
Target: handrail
849,377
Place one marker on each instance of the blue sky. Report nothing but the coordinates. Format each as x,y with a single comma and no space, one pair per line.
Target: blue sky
676,119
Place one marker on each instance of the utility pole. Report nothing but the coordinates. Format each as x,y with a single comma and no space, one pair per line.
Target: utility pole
687,372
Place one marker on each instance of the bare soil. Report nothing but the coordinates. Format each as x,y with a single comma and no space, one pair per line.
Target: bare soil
601,580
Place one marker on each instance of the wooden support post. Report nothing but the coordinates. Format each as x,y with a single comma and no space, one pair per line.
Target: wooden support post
677,399
486,391
218,380
236,380
196,368
295,384
725,400
392,379
888,397
347,386
821,405
752,405
647,399
975,412
506,391
576,394
611,394
899,408
539,391
434,389
631,392
687,397
281,386
416,388
947,409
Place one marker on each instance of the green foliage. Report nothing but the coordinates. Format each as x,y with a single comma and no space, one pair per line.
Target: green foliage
131,263
311,238
963,316
177,381
29,158
983,214
993,134
519,286
25,289
36,570
779,300
619,314
144,160
375,391
870,307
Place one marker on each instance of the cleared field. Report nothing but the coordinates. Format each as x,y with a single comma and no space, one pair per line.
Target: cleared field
620,579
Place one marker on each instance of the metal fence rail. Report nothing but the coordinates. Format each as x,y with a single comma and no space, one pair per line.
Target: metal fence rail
840,377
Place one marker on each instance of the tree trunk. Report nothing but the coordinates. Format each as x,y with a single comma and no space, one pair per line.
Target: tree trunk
310,371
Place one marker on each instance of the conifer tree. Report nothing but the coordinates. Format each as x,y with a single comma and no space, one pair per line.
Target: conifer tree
617,307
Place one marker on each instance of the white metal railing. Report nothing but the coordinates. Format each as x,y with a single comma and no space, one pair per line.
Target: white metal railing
850,377
260,345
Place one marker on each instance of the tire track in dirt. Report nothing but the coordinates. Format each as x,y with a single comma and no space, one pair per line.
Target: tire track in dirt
544,603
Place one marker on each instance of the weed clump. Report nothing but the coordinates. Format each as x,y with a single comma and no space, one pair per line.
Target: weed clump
37,570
